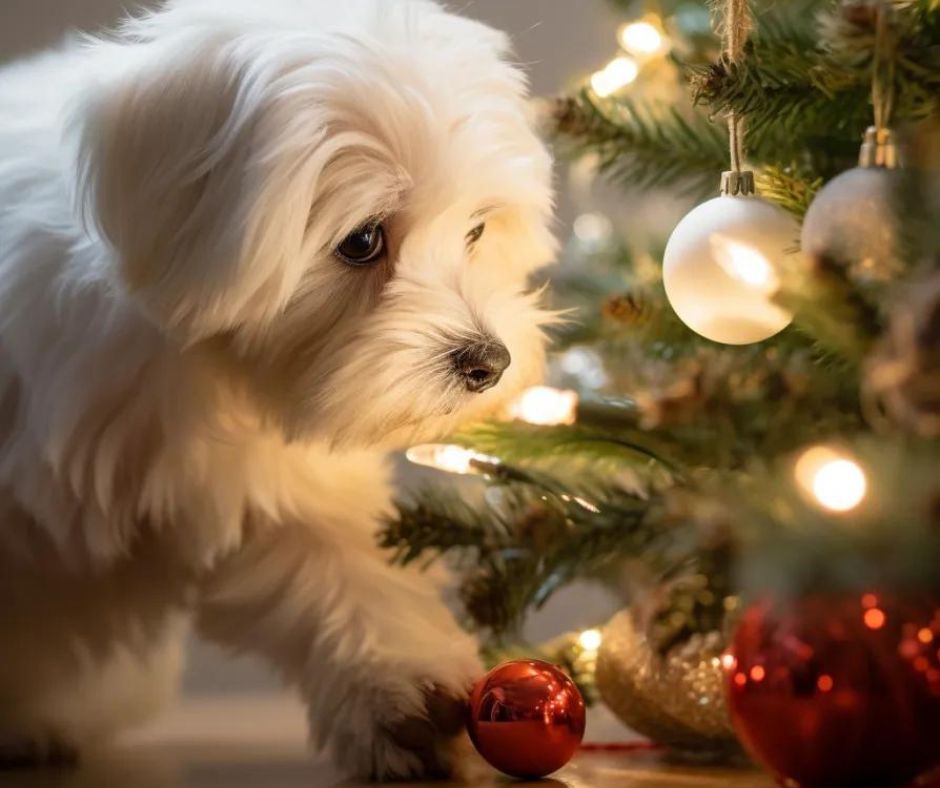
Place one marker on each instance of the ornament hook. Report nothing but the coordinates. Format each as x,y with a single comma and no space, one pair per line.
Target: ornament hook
737,183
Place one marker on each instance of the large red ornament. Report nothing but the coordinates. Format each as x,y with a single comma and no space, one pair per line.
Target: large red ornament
839,690
526,718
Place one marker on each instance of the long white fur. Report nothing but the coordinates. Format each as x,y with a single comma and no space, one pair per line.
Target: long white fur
196,394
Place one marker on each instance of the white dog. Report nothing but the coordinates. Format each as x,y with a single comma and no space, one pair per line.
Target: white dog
246,246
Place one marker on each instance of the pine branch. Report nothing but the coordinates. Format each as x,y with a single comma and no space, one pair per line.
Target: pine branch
791,190
830,310
642,146
848,40
706,410
518,551
518,442
806,92
788,545
790,114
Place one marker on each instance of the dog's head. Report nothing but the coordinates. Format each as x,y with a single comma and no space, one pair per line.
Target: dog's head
347,202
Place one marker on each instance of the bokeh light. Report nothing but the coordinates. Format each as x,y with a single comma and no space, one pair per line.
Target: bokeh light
545,406
617,74
832,480
450,458
590,639
874,618
640,38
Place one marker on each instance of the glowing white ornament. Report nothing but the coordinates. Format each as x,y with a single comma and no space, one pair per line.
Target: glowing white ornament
721,265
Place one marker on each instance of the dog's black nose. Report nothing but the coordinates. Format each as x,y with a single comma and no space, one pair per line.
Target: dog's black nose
481,365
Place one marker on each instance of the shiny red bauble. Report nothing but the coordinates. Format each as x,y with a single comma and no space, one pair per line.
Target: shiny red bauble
839,690
526,718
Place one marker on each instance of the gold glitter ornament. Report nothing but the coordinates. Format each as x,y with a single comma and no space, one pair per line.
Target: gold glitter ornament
676,699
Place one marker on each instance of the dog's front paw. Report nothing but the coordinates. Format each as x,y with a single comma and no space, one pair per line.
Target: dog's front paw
435,737
427,742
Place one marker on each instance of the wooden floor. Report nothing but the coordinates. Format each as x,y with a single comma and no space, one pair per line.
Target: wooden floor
260,743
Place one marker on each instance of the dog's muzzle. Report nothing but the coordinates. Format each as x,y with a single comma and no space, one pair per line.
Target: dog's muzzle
481,365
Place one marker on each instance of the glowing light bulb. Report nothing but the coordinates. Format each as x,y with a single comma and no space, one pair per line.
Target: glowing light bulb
640,38
590,639
544,405
617,74
840,485
450,458
832,480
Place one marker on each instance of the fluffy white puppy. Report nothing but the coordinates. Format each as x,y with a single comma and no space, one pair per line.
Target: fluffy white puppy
246,246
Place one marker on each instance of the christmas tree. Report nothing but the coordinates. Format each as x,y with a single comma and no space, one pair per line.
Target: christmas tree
776,469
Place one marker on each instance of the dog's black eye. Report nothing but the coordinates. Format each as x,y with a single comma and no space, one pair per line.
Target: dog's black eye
474,235
364,245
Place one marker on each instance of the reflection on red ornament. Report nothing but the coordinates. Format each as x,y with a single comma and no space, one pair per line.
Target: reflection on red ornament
838,690
526,718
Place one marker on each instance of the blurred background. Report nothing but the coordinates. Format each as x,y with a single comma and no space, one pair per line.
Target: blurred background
559,42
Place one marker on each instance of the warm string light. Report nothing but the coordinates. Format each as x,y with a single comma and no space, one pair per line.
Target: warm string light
643,38
541,405
590,640
588,644
545,406
616,75
451,458
831,479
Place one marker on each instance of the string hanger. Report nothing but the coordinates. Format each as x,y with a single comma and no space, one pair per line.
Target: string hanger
879,148
734,22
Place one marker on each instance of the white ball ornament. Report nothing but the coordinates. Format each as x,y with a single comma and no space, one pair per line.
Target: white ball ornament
722,264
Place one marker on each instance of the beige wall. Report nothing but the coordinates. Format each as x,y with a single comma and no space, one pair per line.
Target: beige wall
555,38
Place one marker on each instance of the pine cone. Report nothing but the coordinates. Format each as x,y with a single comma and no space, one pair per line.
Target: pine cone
567,117
484,599
862,14
627,309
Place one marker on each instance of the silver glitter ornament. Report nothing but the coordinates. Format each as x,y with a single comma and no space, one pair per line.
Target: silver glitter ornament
851,220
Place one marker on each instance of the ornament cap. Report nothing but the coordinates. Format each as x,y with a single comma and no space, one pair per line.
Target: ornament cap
736,183
879,149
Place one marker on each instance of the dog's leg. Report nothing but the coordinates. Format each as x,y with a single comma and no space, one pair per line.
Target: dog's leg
379,659
82,656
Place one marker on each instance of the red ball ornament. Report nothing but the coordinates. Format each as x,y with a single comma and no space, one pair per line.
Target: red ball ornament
526,718
838,690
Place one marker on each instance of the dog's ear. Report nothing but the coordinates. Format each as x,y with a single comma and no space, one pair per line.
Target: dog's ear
184,171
